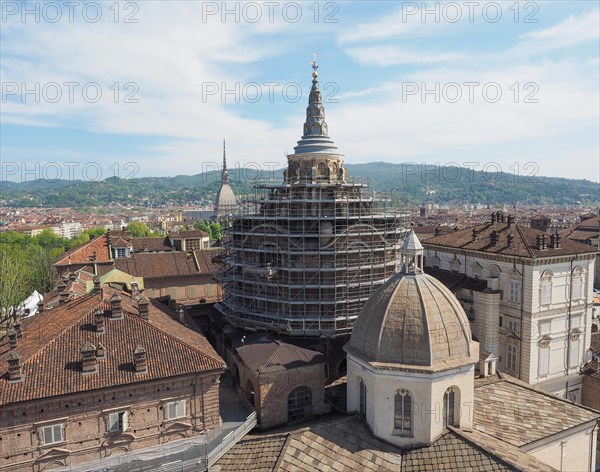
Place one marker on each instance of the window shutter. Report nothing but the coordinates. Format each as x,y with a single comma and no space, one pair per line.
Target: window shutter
113,422
544,360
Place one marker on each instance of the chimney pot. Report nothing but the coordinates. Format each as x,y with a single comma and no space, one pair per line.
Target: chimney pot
475,234
494,238
96,284
18,327
99,320
511,240
89,362
14,367
557,239
493,218
116,311
510,220
12,338
40,306
139,359
143,307
63,297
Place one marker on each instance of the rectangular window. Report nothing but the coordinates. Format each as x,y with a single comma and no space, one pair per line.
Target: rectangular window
574,355
544,361
515,291
511,357
513,326
545,327
118,421
52,434
175,409
546,295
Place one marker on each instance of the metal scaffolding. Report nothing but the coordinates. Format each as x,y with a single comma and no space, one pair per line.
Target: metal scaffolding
302,258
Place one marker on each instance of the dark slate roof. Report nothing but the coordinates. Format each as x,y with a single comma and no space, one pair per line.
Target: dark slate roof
50,357
277,356
456,282
158,264
151,244
345,444
524,244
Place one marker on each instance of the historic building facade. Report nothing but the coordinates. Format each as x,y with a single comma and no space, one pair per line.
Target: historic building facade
101,375
527,294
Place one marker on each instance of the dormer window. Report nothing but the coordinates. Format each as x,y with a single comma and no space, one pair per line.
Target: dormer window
122,252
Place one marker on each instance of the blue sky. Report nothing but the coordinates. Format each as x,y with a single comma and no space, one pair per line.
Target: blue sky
376,59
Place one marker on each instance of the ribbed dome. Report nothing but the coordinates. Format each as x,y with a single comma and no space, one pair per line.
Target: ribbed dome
225,197
414,320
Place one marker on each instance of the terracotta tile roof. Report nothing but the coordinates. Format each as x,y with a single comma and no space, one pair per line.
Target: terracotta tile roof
595,342
51,341
151,244
345,444
158,264
518,413
189,234
524,243
277,356
84,253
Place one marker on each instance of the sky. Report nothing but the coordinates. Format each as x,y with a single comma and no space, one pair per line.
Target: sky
91,90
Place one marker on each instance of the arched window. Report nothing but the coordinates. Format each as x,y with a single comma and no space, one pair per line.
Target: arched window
476,270
363,399
403,413
448,413
546,288
494,271
300,404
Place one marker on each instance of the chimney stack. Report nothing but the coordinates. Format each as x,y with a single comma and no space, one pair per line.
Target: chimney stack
139,359
142,305
116,312
18,327
510,240
14,368
510,220
557,241
96,284
100,352
493,218
63,297
99,320
72,276
12,338
181,314
438,231
494,238
40,306
89,362
475,234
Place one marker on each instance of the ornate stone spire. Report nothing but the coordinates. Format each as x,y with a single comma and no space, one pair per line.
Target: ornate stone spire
224,173
315,137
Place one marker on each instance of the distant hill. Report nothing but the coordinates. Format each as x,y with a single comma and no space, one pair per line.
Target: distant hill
408,183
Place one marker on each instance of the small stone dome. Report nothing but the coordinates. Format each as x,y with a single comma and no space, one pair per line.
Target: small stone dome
413,320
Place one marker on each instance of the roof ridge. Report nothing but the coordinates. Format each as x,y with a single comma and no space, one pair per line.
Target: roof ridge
177,340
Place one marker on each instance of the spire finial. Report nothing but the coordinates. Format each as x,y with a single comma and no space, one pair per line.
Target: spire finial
224,174
314,65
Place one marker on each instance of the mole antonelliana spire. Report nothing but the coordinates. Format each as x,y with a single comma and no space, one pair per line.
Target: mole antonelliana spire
225,203
308,252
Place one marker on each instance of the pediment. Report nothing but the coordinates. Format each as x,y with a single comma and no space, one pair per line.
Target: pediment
54,453
177,426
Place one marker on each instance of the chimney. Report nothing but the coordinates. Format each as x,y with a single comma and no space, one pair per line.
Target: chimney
12,338
502,217
181,314
99,320
40,306
493,218
61,286
72,276
116,312
139,360
544,244
494,238
438,231
96,284
511,240
475,234
18,327
14,368
142,305
557,241
510,220
100,352
63,297
89,362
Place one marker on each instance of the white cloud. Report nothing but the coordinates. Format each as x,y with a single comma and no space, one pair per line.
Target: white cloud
571,31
